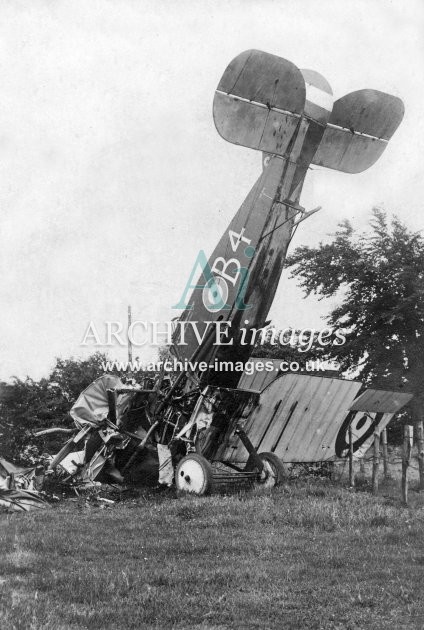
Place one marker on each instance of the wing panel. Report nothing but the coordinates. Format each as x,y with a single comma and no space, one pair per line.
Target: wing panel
337,407
296,418
283,395
382,424
307,422
381,401
323,405
258,380
312,430
363,426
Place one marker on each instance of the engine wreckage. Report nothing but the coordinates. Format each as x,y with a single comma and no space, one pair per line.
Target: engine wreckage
209,436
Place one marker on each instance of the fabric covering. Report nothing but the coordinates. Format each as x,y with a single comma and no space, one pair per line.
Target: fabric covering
92,404
12,476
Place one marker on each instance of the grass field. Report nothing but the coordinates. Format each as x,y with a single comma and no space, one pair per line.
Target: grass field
307,555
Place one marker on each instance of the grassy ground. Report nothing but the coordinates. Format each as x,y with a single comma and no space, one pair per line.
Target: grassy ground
308,555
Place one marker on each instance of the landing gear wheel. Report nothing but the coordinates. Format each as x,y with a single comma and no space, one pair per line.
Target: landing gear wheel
194,474
273,472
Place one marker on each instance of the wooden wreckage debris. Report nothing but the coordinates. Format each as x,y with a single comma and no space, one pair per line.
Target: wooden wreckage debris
20,487
217,436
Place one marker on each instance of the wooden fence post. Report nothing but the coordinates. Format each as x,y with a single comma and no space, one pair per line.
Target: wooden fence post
362,466
420,445
407,448
351,475
376,461
384,450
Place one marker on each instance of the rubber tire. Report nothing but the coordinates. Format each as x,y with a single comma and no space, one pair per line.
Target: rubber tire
203,466
278,470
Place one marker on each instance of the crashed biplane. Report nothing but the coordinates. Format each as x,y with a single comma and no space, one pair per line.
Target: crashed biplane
195,429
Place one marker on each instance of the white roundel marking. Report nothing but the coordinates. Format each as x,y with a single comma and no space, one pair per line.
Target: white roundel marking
360,425
215,294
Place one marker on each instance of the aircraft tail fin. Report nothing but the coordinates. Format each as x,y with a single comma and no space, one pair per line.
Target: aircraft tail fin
359,128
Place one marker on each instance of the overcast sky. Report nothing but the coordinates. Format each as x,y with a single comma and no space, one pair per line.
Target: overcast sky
112,175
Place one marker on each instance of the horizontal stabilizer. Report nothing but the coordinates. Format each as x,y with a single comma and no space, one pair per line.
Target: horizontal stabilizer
360,126
259,101
370,112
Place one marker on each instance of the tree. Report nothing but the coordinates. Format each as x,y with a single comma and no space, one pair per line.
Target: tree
27,405
378,280
74,375
290,345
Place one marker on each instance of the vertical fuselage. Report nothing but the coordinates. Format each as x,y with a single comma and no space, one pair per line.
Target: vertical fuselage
266,103
246,264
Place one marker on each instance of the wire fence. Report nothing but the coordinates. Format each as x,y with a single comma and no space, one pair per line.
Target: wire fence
391,473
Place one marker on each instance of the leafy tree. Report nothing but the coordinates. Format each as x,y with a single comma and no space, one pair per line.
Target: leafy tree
297,347
378,280
74,375
27,405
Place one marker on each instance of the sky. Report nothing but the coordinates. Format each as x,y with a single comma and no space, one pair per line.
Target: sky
112,175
